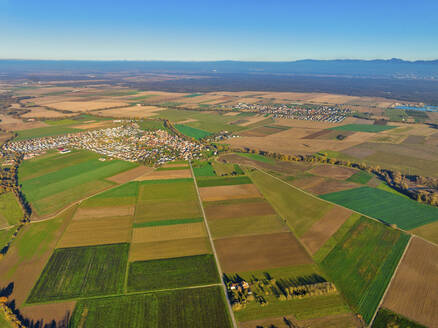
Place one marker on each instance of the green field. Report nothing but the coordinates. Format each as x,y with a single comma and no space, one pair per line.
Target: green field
257,157
50,131
125,194
225,169
172,273
360,177
189,308
63,183
209,122
192,132
388,319
5,236
203,169
10,210
393,209
4,322
151,125
82,271
363,128
299,209
166,222
223,181
305,308
362,263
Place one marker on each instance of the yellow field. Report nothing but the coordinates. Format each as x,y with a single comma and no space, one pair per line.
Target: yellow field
101,212
98,231
169,232
169,249
41,112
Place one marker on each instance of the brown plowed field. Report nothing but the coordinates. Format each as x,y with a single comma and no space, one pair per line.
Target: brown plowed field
169,249
238,210
260,252
308,182
101,212
166,174
413,292
131,174
169,232
59,312
82,106
323,229
329,186
96,232
332,171
229,192
41,112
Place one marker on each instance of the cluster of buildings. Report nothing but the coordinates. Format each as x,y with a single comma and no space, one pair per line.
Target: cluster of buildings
325,113
125,142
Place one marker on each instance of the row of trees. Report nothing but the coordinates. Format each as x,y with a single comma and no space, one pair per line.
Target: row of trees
419,188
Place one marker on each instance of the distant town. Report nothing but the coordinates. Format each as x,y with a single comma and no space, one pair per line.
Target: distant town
325,113
126,142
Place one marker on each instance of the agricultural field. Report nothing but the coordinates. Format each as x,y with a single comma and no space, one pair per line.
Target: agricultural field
172,273
60,182
192,132
415,280
82,271
362,262
364,128
388,207
188,308
10,210
300,210
387,319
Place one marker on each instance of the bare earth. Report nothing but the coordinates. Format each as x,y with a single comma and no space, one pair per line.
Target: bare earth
260,252
59,312
229,192
332,171
214,212
323,229
101,212
413,292
166,174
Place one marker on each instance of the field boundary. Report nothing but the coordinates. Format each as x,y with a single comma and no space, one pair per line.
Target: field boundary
230,310
327,201
392,278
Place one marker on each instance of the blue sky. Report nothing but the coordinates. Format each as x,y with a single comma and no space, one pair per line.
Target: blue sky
216,30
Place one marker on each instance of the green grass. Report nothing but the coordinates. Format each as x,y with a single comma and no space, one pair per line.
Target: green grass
335,238
305,308
166,222
223,181
50,131
193,95
57,188
384,186
129,189
360,177
396,115
172,273
151,125
66,121
192,132
10,210
204,169
209,122
257,157
362,263
226,169
184,190
363,128
82,271
388,207
125,194
5,236
299,209
388,319
189,308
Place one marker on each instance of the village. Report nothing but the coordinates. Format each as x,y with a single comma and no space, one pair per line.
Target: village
126,142
324,113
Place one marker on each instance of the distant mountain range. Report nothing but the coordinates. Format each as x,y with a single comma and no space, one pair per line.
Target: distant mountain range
392,68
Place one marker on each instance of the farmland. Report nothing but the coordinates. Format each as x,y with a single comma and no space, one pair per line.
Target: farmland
10,210
172,273
299,209
192,132
413,281
363,128
362,263
61,182
388,207
190,308
82,271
